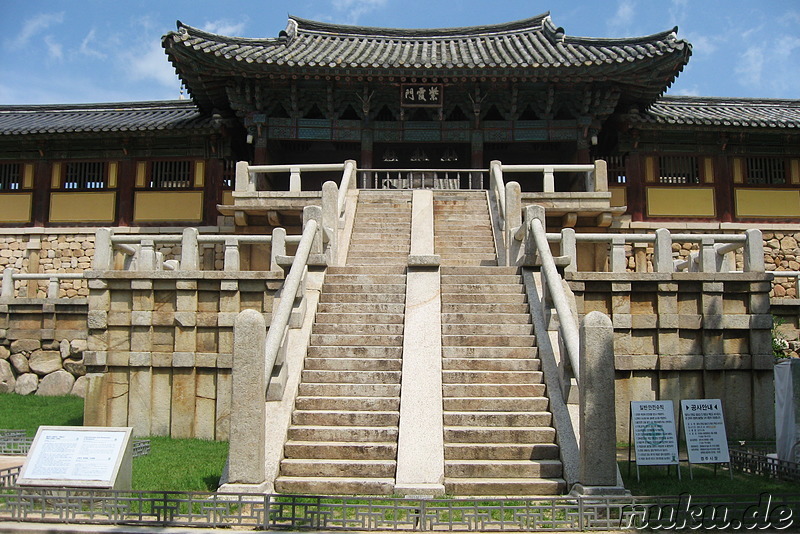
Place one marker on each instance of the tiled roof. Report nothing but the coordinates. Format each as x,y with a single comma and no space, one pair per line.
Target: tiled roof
97,118
532,48
721,112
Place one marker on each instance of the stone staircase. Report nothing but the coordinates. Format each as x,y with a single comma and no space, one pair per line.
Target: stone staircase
343,436
499,438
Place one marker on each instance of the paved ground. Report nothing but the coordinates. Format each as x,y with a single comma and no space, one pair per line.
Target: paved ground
11,461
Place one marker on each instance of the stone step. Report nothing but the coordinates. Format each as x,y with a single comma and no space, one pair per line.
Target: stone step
365,279
349,403
301,467
500,419
378,261
391,289
501,469
502,307
490,352
360,318
485,319
481,298
334,486
361,307
501,487
351,377
482,341
450,279
487,329
487,270
498,434
501,451
506,404
356,339
372,418
491,377
360,248
356,269
493,390
349,390
507,289
391,298
343,433
358,329
488,364
340,450
354,364
467,259
360,351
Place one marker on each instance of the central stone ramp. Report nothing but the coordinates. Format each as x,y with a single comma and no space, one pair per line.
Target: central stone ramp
343,437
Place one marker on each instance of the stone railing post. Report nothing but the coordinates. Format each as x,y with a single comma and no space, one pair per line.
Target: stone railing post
549,181
103,250
617,262
52,288
243,179
314,213
249,386
569,248
8,284
598,467
707,256
600,176
146,257
231,260
277,248
190,250
754,251
330,219
295,182
513,220
662,252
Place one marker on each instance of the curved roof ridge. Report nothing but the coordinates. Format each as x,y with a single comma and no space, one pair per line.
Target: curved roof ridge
100,106
696,99
197,32
530,23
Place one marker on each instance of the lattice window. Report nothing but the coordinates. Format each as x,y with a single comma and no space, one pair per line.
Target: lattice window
678,170
228,173
10,176
171,175
616,169
85,175
766,170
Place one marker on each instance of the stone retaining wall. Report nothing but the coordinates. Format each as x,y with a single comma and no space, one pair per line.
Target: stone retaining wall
160,348
42,346
688,336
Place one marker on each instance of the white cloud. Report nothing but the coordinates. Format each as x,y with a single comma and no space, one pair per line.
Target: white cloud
623,17
35,25
354,9
224,27
694,90
54,48
150,63
751,66
87,47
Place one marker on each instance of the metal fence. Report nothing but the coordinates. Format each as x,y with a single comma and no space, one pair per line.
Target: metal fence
755,463
17,443
288,512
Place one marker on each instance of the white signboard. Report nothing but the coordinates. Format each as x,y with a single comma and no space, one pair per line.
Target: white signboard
654,432
79,457
706,440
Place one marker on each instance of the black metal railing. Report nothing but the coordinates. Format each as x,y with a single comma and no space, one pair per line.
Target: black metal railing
423,178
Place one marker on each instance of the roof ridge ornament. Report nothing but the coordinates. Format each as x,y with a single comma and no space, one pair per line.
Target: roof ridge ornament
289,33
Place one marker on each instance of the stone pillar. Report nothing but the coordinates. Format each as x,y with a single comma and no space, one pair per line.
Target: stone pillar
662,252
330,219
190,252
598,470
247,437
513,220
569,248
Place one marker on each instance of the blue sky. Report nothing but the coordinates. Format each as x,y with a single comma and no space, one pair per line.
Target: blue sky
69,51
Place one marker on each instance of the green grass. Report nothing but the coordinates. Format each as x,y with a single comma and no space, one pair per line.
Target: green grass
180,465
172,465
19,412
656,481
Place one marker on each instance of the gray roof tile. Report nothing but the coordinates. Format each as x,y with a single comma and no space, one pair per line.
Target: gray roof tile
720,111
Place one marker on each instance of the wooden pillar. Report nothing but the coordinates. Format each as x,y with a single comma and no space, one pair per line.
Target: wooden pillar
41,193
126,181
212,190
634,172
367,153
723,188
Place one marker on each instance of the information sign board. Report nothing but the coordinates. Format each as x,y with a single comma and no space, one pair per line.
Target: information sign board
90,457
654,432
706,439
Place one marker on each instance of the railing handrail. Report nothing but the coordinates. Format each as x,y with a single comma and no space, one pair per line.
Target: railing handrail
566,322
10,274
556,167
301,167
418,169
498,188
347,182
291,284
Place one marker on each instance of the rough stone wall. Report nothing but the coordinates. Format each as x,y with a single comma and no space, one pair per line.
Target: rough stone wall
689,336
160,347
42,345
787,326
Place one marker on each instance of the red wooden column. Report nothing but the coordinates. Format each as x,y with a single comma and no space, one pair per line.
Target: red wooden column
42,175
